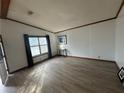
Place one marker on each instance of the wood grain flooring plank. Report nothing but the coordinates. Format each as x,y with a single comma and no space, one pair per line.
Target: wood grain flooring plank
66,75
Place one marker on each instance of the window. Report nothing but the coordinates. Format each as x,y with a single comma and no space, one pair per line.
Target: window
43,45
38,45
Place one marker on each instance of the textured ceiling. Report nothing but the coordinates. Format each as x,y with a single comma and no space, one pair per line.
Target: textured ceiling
57,15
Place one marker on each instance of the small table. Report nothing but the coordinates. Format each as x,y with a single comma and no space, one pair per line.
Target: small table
63,52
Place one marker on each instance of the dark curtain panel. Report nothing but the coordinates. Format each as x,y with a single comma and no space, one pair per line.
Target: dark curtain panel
49,47
28,51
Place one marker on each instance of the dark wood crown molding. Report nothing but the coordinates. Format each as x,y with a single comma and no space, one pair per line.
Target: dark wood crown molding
28,24
4,8
122,4
86,25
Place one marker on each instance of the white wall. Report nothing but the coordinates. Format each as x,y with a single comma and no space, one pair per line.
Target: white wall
12,33
92,41
119,53
40,58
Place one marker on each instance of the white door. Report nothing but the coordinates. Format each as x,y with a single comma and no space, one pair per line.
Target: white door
3,67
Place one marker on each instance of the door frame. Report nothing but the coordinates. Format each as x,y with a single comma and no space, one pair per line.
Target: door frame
6,62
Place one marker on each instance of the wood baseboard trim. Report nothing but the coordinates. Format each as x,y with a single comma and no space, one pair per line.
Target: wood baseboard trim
117,66
18,70
42,61
93,59
67,56
34,64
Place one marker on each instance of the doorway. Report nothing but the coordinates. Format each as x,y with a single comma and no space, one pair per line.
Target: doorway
3,64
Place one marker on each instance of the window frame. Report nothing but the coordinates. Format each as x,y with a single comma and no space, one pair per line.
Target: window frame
39,45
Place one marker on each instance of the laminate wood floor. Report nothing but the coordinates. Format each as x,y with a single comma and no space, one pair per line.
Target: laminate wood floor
66,75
